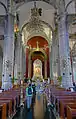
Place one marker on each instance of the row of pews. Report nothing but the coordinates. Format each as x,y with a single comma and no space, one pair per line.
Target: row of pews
9,103
64,102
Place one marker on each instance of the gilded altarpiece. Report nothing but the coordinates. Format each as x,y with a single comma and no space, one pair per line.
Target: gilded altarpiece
37,68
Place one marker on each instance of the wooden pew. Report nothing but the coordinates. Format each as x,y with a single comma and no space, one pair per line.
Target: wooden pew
9,99
62,109
8,107
13,102
13,98
71,112
3,111
59,98
6,112
54,97
61,102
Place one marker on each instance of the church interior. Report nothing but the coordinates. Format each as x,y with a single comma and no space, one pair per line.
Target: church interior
37,46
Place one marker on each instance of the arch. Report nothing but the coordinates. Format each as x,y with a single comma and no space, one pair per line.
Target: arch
68,4
4,6
40,50
38,53
46,1
29,61
42,34
39,33
25,24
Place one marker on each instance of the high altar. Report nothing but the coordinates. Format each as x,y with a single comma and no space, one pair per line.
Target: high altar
37,69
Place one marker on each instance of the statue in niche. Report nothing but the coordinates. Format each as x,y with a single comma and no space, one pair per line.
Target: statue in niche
37,68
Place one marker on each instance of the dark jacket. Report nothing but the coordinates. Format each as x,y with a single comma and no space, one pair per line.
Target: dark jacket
34,88
74,86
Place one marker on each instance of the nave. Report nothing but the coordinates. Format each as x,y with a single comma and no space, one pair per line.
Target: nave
61,104
36,112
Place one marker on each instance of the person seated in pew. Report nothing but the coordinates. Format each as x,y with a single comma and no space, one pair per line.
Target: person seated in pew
74,86
1,90
10,82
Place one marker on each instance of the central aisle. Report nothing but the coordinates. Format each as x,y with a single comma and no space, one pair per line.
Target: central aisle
38,110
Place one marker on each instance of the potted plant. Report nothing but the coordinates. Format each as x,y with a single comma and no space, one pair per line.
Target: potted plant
60,79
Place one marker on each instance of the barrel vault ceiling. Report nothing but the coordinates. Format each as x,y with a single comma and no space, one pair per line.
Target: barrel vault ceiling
49,8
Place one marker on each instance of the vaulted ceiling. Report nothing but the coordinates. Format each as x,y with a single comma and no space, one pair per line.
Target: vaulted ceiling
49,8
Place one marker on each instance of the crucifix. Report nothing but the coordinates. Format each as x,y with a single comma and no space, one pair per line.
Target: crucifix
37,45
35,4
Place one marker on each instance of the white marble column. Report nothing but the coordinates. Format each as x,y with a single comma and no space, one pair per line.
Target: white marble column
8,51
65,63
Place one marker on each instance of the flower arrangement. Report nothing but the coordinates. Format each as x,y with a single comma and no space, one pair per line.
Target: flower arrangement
59,79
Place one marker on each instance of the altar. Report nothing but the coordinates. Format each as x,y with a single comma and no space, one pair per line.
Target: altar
37,70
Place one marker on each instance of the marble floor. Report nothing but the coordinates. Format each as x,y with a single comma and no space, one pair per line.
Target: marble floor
38,111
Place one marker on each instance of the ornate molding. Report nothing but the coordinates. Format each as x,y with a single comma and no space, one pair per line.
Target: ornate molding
51,2
71,19
72,36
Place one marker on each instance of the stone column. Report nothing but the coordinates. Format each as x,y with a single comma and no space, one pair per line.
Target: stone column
1,61
54,56
45,67
55,64
23,62
65,64
19,57
8,52
29,68
15,60
51,73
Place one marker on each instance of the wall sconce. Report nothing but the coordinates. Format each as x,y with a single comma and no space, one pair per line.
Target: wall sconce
16,29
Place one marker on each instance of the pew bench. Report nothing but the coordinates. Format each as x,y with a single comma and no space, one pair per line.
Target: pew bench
57,101
63,107
3,113
54,97
9,101
8,107
13,102
71,112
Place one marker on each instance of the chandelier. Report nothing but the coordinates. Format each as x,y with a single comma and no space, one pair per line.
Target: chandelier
34,23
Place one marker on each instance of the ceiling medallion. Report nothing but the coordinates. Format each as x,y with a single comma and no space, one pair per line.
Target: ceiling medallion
35,23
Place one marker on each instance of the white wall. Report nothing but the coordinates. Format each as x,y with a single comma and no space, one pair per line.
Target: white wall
2,10
47,12
71,7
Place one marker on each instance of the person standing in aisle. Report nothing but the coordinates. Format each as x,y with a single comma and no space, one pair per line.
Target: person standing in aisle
29,94
34,92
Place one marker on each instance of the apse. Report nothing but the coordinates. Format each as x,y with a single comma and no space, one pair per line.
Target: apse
38,51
